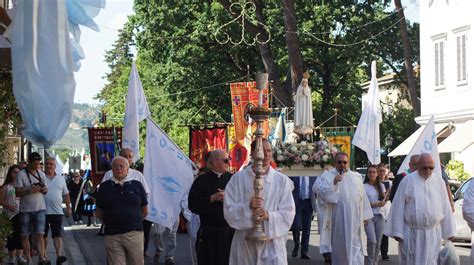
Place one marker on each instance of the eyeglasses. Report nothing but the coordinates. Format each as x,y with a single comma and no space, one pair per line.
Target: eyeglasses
226,160
427,168
340,162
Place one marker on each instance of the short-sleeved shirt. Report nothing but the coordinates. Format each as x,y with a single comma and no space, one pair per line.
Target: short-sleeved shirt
31,202
373,195
121,206
133,174
57,188
11,199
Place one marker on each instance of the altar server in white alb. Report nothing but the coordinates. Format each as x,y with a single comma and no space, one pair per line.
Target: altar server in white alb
276,209
347,210
421,215
468,211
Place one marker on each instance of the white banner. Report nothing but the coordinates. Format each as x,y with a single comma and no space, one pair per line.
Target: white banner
367,135
136,110
426,143
168,173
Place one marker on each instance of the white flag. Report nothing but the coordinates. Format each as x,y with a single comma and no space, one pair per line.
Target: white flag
136,110
426,143
367,135
169,175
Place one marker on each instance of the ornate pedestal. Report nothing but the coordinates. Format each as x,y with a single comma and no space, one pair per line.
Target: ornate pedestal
296,171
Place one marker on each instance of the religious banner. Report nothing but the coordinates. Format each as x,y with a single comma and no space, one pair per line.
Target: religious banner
104,144
244,97
202,141
341,137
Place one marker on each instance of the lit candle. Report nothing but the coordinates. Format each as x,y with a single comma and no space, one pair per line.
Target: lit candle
260,97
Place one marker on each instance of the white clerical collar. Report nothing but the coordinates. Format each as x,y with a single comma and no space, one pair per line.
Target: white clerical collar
218,174
267,176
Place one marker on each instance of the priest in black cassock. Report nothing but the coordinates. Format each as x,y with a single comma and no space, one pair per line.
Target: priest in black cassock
206,200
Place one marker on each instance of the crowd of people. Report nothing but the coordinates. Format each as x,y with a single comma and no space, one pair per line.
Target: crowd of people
222,210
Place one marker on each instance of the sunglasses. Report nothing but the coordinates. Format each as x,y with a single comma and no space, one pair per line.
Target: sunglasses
226,160
427,168
340,162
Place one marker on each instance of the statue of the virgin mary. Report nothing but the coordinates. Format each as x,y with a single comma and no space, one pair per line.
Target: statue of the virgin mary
303,108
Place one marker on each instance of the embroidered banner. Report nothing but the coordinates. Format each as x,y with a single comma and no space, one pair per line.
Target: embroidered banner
244,97
103,143
202,141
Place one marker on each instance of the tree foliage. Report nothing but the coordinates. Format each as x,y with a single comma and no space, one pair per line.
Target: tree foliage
180,61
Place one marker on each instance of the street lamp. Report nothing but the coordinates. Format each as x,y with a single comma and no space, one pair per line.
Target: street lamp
388,144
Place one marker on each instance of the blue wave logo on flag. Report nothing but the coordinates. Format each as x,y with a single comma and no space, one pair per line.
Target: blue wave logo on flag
170,184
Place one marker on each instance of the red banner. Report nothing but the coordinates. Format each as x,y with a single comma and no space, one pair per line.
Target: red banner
102,143
202,141
244,97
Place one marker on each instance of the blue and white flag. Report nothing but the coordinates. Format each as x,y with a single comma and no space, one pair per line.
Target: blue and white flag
427,143
136,110
367,135
169,175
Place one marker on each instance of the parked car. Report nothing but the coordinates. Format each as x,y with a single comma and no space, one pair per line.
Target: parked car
362,171
463,232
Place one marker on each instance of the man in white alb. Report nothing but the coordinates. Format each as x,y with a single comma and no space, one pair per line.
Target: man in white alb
347,209
276,209
421,215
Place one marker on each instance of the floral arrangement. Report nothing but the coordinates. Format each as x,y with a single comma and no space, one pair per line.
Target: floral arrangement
305,154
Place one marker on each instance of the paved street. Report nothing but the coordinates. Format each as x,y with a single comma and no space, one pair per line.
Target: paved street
83,247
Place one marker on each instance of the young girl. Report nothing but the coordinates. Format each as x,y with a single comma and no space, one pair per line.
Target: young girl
374,229
11,206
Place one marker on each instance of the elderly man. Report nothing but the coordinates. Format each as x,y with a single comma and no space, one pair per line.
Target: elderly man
421,215
347,209
276,210
30,187
134,174
468,212
57,193
206,200
122,206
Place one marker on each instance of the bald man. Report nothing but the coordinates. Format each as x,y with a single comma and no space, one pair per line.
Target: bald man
421,216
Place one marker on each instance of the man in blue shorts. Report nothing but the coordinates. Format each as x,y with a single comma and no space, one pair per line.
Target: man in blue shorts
31,188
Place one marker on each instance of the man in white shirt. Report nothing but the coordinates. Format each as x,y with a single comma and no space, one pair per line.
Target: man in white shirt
57,193
347,210
30,187
421,215
276,210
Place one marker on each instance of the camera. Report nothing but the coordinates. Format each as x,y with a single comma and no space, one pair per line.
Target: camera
39,184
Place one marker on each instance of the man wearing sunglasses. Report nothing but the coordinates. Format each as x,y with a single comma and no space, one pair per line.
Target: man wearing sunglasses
347,209
421,215
206,200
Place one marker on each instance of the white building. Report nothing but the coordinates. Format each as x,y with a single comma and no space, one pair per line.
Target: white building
447,77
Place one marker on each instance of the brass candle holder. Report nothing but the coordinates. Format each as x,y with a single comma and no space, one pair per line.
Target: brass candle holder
259,115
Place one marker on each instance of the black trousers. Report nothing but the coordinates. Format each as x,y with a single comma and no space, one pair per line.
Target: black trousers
213,245
384,246
146,233
14,239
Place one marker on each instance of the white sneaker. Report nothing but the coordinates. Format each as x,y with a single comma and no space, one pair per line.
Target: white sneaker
80,222
22,261
75,222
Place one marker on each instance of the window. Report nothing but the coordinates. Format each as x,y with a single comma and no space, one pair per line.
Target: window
461,57
439,64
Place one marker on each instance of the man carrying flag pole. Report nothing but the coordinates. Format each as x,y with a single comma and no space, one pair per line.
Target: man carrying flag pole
367,135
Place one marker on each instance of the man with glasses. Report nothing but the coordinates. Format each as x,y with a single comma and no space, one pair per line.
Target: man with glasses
347,210
421,216
206,200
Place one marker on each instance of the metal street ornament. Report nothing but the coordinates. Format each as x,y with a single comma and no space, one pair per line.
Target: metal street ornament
244,16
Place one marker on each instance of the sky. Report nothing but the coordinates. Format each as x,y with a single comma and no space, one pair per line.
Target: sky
89,79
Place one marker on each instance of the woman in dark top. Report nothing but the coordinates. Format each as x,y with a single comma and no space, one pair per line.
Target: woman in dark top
75,189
